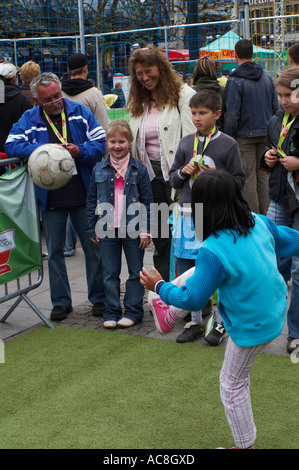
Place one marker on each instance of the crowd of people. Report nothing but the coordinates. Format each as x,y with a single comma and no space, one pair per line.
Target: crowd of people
232,147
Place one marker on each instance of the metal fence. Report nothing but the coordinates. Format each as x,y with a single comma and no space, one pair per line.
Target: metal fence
108,31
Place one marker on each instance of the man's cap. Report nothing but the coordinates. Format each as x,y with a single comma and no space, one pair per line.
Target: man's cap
76,61
8,70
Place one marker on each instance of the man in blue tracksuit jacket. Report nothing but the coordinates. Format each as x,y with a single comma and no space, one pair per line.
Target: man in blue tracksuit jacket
58,120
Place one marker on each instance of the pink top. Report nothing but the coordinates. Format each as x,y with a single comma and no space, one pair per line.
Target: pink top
119,184
152,144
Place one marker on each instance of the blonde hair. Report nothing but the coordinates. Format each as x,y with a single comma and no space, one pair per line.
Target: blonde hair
205,67
28,71
122,127
168,87
289,77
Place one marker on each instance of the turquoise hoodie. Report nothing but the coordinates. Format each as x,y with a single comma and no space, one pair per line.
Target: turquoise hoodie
252,294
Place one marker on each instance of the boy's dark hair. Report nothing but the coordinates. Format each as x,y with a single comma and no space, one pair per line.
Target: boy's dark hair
293,52
222,203
208,98
244,49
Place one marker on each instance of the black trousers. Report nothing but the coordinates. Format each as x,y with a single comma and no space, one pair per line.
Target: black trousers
162,240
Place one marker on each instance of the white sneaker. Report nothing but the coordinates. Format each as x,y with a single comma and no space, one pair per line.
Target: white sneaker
125,322
110,324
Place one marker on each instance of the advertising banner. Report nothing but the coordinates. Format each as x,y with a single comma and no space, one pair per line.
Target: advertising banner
20,252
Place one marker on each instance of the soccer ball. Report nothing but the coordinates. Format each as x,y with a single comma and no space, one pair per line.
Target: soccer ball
51,166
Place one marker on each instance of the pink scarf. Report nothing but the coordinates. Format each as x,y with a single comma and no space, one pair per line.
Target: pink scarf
120,166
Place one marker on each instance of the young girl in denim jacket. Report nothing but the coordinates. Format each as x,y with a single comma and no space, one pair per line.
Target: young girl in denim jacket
118,217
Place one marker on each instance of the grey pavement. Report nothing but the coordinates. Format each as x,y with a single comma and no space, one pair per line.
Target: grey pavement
23,319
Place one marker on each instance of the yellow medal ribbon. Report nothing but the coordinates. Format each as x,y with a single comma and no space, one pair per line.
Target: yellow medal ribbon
197,162
283,132
63,137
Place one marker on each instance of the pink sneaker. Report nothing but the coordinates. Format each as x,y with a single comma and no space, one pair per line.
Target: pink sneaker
163,315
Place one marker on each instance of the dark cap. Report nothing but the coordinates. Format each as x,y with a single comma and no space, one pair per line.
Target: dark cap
76,61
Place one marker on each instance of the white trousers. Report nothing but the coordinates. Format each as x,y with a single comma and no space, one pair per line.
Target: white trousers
235,391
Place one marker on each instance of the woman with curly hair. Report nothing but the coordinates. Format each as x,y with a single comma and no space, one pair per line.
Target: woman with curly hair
159,117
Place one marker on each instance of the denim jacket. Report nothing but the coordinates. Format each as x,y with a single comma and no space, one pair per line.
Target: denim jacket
136,216
250,101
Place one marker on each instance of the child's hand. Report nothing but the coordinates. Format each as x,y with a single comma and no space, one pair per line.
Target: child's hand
271,157
203,168
189,169
95,240
150,280
144,242
290,163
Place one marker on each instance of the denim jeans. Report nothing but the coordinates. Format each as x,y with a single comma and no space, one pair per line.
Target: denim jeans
288,267
293,312
278,213
71,237
111,255
162,242
54,225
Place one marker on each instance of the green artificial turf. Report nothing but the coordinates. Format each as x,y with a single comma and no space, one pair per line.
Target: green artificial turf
71,388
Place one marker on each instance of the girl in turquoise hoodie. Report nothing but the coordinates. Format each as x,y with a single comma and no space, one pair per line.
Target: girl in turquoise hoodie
237,257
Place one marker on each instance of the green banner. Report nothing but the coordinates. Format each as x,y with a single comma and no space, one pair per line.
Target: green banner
20,252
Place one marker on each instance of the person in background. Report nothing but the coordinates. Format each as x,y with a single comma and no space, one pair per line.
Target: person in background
281,162
251,101
293,53
57,120
121,100
12,104
223,79
28,71
238,258
160,116
78,88
205,150
205,78
123,183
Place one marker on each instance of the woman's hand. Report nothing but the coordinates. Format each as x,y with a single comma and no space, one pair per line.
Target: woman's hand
150,280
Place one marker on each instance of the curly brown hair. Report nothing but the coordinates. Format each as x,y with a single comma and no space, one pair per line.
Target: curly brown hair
168,87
